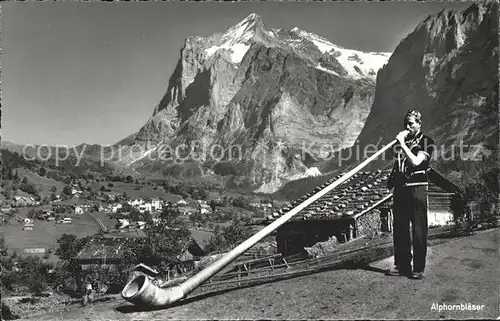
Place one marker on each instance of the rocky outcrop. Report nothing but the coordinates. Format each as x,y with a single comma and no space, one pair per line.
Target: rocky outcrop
274,98
447,68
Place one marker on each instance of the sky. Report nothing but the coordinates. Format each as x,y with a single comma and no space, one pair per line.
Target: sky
93,72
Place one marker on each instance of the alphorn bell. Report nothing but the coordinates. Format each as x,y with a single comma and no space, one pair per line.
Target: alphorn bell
141,291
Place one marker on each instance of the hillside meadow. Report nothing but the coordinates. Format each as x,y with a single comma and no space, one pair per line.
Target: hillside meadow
45,234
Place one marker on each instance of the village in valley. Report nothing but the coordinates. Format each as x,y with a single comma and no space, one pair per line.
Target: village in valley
101,218
118,215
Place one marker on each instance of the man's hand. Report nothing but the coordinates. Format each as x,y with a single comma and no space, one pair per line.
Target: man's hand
415,159
401,136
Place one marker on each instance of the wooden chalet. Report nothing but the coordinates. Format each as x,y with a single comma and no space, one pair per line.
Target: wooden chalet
361,206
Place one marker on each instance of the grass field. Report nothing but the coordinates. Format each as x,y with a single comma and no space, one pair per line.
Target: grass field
146,191
216,181
43,182
45,234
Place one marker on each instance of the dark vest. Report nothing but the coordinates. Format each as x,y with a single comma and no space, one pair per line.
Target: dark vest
403,172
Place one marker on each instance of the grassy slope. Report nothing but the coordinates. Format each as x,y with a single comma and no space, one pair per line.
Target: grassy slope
145,191
45,234
43,182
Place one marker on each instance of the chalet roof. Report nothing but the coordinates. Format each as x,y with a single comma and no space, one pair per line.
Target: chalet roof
113,247
186,256
263,246
201,237
442,182
141,267
23,199
104,248
357,194
361,193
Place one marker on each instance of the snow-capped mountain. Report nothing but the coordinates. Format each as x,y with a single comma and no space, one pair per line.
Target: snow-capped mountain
270,92
312,172
238,39
356,63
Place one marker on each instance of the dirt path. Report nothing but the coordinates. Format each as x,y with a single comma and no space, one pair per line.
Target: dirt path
460,271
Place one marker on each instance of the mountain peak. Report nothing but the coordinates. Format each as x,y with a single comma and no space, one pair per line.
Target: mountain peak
253,17
245,29
238,38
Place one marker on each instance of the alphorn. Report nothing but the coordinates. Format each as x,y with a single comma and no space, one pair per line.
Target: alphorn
141,291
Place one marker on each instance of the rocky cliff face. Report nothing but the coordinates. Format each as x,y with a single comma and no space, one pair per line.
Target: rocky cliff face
447,68
273,97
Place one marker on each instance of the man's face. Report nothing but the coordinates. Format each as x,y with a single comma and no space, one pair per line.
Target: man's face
412,125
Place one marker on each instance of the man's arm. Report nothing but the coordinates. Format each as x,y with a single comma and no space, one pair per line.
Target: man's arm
415,159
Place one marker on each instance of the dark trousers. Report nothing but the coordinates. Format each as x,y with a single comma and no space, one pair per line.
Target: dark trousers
410,205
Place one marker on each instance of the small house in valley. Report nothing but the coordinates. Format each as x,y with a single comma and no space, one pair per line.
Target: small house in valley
143,269
78,210
101,250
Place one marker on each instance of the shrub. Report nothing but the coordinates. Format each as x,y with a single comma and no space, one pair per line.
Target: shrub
227,237
54,175
67,190
28,187
7,313
37,286
484,189
9,278
241,202
42,171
